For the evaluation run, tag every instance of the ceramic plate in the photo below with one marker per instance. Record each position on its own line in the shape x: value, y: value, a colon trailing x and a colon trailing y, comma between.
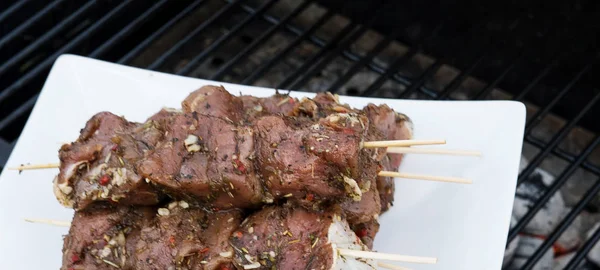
x: 464, y: 226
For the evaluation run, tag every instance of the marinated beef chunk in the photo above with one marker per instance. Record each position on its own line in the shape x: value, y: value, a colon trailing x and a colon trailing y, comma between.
x: 297, y: 156
x: 100, y: 165
x: 182, y: 237
x: 393, y: 125
x: 207, y: 159
x: 385, y: 186
x: 277, y: 104
x: 99, y: 237
x: 214, y: 101
x: 366, y: 231
x: 367, y: 209
x: 295, y: 238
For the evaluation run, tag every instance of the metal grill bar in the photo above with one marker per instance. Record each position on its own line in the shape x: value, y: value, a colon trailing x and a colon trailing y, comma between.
x: 537, y: 79
x: 266, y: 35
x: 564, y: 131
x: 199, y: 58
x: 19, y: 30
x: 24, y: 108
x: 360, y: 64
x: 10, y: 10
x: 564, y: 155
x: 46, y: 37
x: 488, y: 89
x: 325, y: 60
x: 148, y: 41
x: 558, y: 183
x: 263, y: 68
x: 346, y: 30
x: 420, y: 81
x: 46, y: 64
x: 398, y: 63
x: 395, y: 67
x: 462, y: 76
x: 538, y: 116
x: 127, y: 29
x: 5, y: 149
x: 589, y: 195
x: 163, y: 57
x: 322, y: 62
x: 347, y: 54
x: 583, y: 251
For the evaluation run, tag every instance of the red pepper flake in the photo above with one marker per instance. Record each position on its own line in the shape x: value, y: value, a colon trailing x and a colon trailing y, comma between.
x: 75, y: 258
x: 172, y: 240
x: 310, y: 197
x: 114, y: 148
x: 225, y: 267
x: 291, y: 100
x: 240, y: 165
x: 361, y: 232
x: 104, y: 180
x: 215, y: 209
x: 237, y: 234
x: 348, y: 131
x: 204, y: 250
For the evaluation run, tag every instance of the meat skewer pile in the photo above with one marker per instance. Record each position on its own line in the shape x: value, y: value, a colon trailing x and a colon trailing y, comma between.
x: 315, y: 166
x: 184, y: 237
x: 203, y: 155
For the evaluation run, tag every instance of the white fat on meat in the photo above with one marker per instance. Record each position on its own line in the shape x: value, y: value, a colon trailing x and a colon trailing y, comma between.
x: 63, y: 190
x: 340, y: 235
x: 352, y: 188
x: 407, y: 123
x: 336, y: 117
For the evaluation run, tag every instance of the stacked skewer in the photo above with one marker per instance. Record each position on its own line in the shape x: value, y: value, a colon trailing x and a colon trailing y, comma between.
x: 111, y: 173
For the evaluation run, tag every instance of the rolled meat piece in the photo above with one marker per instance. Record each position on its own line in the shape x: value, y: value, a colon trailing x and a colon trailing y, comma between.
x: 175, y: 237
x: 394, y: 126
x: 183, y: 237
x: 361, y: 215
x: 296, y: 238
x: 214, y: 101
x: 101, y: 164
x: 366, y: 231
x: 103, y: 237
x: 207, y: 159
x: 298, y: 156
x: 277, y: 104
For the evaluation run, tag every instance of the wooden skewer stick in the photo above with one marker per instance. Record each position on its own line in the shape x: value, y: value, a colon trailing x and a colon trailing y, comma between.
x: 378, y: 144
x: 373, y: 144
x: 49, y: 222
x: 391, y: 266
x: 413, y: 150
x: 426, y: 177
x: 386, y: 256
x: 36, y: 166
x: 346, y: 252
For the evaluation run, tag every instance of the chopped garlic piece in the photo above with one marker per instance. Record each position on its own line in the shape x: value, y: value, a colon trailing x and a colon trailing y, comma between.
x: 163, y: 211
x: 352, y: 188
x: 184, y: 204
x: 191, y: 143
x: 227, y: 254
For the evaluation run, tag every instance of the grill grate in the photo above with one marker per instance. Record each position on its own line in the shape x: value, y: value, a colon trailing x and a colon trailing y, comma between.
x: 309, y: 46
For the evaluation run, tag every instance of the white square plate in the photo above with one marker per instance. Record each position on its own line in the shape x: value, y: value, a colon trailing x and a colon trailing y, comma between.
x: 464, y: 226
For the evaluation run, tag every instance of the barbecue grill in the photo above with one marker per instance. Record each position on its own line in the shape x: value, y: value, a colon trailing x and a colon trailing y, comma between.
x: 367, y: 48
